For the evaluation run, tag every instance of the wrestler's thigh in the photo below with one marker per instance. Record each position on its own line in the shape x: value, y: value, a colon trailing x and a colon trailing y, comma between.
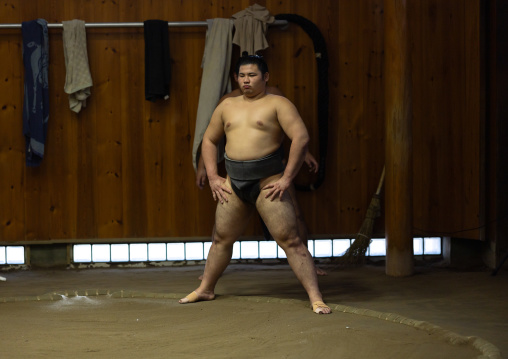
x: 278, y: 215
x: 232, y: 217
x: 292, y: 193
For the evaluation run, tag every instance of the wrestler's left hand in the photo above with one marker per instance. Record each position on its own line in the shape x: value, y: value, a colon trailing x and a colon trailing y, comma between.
x: 277, y: 188
x: 311, y: 162
x: 201, y: 178
x: 219, y: 188
x: 201, y: 174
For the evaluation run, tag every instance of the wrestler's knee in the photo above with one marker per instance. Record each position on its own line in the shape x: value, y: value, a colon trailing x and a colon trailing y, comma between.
x: 221, y: 239
x: 293, y: 242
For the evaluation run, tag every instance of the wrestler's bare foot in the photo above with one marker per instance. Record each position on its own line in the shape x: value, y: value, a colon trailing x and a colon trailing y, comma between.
x: 321, y: 308
x: 319, y: 271
x: 196, y: 297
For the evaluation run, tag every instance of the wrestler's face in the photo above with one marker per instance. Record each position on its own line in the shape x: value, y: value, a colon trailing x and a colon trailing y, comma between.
x: 251, y: 81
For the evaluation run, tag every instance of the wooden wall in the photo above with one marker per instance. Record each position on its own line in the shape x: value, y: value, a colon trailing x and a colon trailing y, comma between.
x: 449, y: 117
x: 122, y: 167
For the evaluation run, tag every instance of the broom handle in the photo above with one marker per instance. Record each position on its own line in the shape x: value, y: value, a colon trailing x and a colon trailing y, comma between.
x: 382, y: 179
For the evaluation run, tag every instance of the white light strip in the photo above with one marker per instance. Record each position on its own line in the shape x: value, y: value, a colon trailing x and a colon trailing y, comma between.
x: 138, y: 252
x: 15, y: 255
x: 120, y: 252
x: 198, y: 251
x: 3, y: 255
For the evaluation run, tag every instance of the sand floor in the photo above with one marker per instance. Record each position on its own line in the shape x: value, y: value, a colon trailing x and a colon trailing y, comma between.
x: 260, y: 311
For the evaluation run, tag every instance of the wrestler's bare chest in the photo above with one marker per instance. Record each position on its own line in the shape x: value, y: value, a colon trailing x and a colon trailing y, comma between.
x: 252, y: 130
x: 255, y: 116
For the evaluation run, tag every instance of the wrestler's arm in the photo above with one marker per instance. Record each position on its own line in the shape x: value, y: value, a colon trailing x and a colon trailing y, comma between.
x: 211, y: 138
x: 309, y: 160
x: 295, y: 129
x: 201, y: 171
x: 293, y: 126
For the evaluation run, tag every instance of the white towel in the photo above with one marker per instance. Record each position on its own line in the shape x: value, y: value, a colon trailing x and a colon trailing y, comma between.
x: 78, y: 79
x: 215, y: 80
x: 250, y: 28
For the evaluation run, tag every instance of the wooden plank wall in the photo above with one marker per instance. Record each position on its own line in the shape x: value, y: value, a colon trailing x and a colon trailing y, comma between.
x: 122, y: 167
x: 448, y: 123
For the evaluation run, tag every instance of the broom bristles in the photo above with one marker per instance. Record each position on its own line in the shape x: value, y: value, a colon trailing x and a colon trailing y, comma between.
x: 356, y: 252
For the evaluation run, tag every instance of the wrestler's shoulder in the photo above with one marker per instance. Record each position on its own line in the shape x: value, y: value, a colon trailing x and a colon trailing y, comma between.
x: 277, y: 99
x: 274, y: 91
x: 227, y: 101
x: 232, y: 94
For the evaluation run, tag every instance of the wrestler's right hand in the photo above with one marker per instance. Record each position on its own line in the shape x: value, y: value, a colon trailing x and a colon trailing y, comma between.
x: 219, y: 188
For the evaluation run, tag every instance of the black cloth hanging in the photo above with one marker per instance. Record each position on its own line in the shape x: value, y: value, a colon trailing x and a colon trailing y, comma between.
x: 157, y: 60
x: 36, y: 93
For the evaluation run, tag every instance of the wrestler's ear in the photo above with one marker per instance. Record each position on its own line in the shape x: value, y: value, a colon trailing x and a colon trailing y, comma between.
x: 235, y: 76
x: 267, y: 76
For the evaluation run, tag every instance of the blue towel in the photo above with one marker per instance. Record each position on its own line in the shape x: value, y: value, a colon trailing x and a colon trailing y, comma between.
x: 36, y: 101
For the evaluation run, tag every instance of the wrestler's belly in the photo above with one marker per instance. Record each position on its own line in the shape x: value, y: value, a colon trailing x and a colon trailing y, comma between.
x: 252, y: 152
x: 249, y: 145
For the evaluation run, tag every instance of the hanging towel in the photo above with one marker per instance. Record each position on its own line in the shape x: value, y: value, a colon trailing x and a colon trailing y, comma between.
x: 36, y: 92
x: 215, y: 79
x: 78, y: 79
x: 250, y: 28
x: 157, y: 60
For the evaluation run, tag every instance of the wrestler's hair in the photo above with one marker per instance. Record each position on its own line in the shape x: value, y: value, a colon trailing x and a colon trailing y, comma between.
x: 247, y: 59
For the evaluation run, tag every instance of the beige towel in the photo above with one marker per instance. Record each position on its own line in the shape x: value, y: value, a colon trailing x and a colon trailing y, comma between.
x: 78, y: 79
x: 250, y: 28
x: 215, y: 80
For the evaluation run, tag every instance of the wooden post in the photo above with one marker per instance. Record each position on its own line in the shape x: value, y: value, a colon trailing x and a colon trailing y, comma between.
x: 399, y: 143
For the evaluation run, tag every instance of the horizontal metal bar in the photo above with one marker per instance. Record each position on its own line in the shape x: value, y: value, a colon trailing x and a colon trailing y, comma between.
x: 136, y: 24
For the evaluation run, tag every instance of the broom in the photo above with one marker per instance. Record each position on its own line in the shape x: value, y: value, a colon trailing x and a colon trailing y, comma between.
x: 356, y: 252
